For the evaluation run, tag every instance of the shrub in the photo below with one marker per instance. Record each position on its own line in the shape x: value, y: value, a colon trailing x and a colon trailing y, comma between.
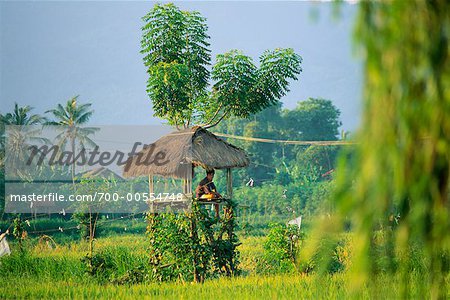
x: 193, y: 246
x: 116, y: 265
x: 280, y: 250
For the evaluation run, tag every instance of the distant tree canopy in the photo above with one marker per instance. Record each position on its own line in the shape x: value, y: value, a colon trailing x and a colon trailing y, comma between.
x: 177, y: 56
x: 312, y: 119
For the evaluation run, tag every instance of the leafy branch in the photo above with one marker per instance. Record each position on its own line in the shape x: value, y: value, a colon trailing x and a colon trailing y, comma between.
x: 177, y: 56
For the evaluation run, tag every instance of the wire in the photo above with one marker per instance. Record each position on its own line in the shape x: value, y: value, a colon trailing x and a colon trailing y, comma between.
x: 287, y: 142
x: 100, y: 223
x: 26, y: 219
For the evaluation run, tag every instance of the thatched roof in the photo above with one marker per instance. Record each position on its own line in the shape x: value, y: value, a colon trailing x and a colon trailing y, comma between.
x: 194, y: 146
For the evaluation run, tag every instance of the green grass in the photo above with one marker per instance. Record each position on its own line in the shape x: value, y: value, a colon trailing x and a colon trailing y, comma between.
x: 287, y: 287
x: 59, y: 273
x: 251, y: 287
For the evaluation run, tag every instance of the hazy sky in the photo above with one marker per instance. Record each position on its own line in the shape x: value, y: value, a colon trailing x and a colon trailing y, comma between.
x: 51, y: 51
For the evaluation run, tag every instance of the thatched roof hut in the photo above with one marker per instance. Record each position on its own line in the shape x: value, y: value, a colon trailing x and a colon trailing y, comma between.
x: 186, y: 149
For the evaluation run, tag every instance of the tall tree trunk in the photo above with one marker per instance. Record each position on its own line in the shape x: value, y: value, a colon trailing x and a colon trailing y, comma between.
x: 72, y: 141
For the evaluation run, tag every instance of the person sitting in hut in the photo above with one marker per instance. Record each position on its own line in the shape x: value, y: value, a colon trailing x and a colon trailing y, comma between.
x: 207, y: 187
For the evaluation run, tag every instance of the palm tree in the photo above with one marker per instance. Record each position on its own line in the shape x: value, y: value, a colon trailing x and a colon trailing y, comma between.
x: 72, y: 116
x: 21, y: 117
x: 23, y: 120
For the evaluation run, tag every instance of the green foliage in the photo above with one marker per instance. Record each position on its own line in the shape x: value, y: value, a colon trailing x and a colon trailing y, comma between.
x: 83, y: 221
x: 98, y: 265
x: 235, y: 76
x: 60, y: 273
x: 280, y: 249
x: 314, y: 163
x: 21, y: 115
x: 116, y: 265
x: 28, y: 265
x: 241, y: 89
x: 192, y: 246
x: 401, y: 164
x: 175, y: 48
x: 261, y: 205
x: 332, y: 255
x: 19, y: 232
x: 71, y: 114
x: 168, y: 81
x: 313, y: 119
x: 171, y: 247
x: 319, y: 202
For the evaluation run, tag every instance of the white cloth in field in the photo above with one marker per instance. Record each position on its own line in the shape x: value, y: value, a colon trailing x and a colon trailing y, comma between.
x: 296, y: 221
x: 4, y: 246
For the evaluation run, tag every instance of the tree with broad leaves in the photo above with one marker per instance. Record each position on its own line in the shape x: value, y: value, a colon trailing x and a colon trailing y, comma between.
x: 176, y: 55
x: 313, y: 120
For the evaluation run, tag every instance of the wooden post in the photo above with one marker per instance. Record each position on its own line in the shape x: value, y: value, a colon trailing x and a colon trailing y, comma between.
x: 187, y: 182
x: 151, y: 190
x: 229, y: 219
x: 191, y: 178
x: 229, y: 184
x: 150, y: 183
x: 189, y: 185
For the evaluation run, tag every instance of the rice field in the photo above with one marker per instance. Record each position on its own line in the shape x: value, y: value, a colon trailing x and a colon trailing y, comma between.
x: 59, y: 273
